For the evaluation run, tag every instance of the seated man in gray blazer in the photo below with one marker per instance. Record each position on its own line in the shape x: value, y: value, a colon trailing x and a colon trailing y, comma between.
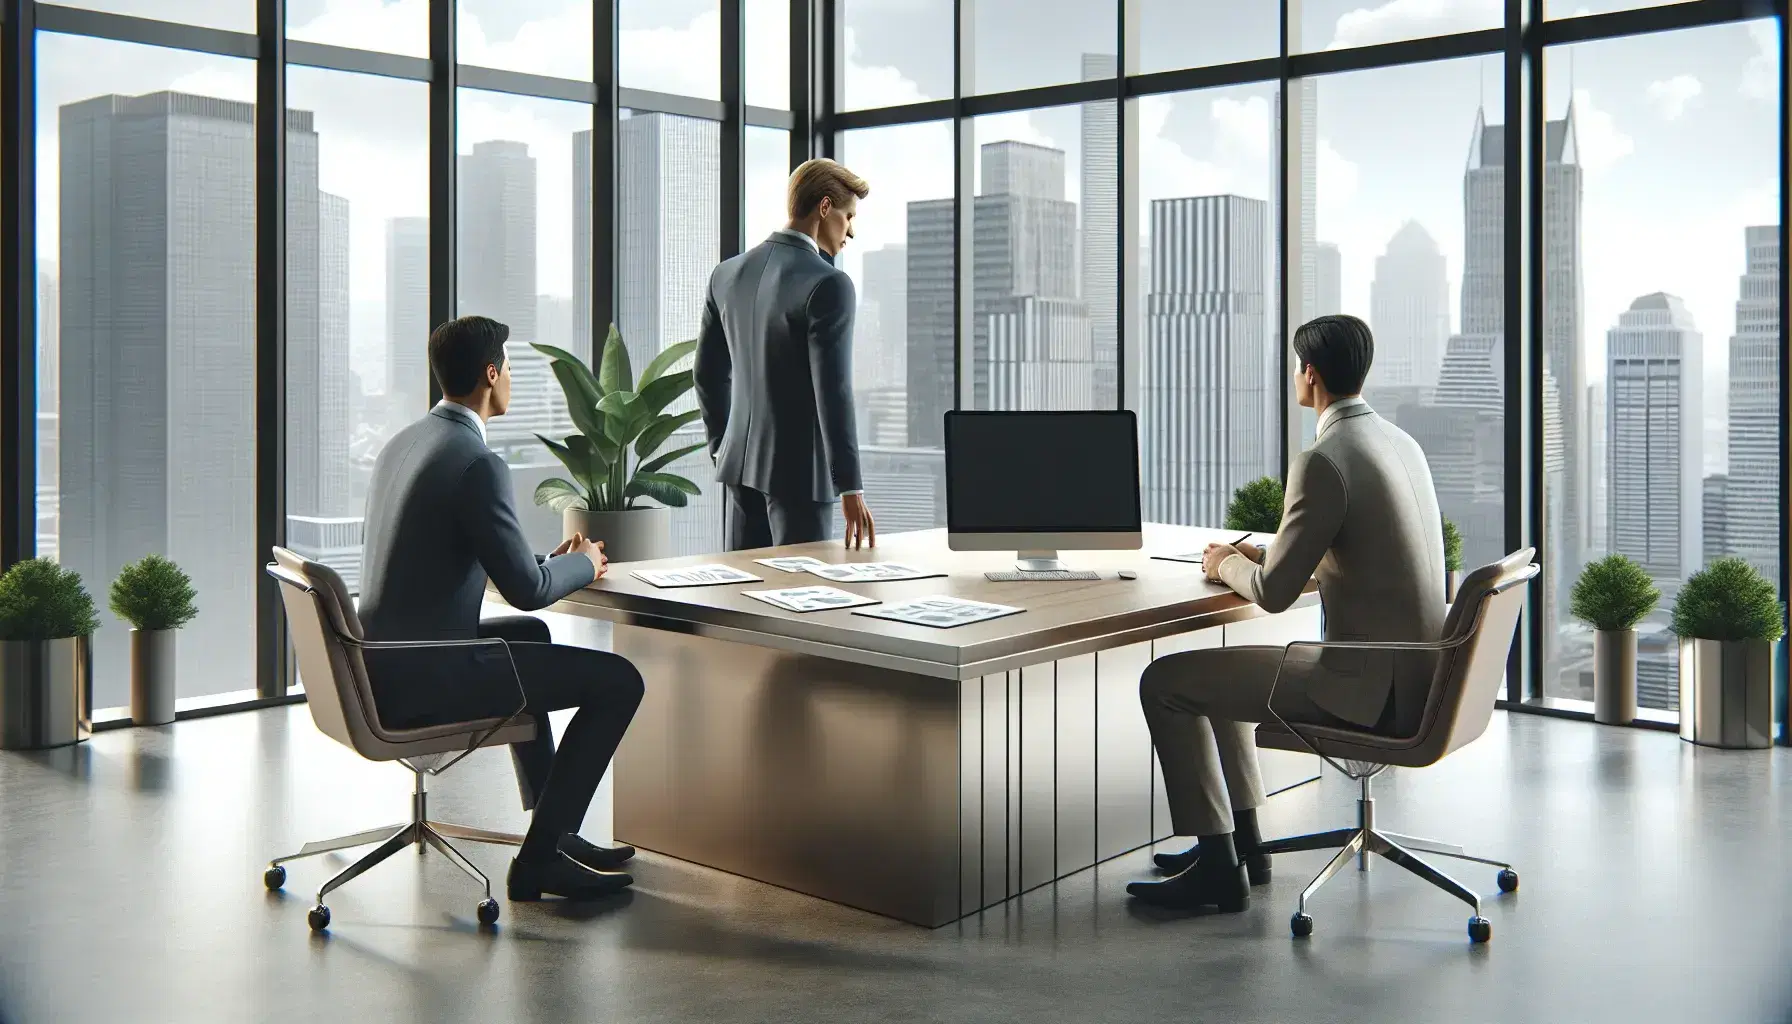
x: 440, y: 521
x: 774, y: 373
x: 1361, y: 514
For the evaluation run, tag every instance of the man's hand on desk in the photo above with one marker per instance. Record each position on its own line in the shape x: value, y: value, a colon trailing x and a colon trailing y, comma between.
x: 861, y: 530
x: 1213, y: 556
x: 1250, y: 551
x: 577, y: 544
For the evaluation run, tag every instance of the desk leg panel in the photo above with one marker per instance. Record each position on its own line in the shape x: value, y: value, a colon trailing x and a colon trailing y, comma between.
x: 833, y: 779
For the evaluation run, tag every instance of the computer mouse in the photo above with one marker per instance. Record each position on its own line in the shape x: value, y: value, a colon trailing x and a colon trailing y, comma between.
x: 1128, y: 574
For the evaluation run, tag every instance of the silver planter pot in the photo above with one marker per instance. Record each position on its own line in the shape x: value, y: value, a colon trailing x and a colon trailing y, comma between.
x: 1726, y: 693
x: 1452, y: 584
x: 46, y: 692
x: 1614, y: 676
x: 638, y: 535
x: 153, y: 681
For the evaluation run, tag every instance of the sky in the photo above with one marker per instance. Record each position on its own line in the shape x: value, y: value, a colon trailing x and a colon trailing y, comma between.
x: 1676, y: 132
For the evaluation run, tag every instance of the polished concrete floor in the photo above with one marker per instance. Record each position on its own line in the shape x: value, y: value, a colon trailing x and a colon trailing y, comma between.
x: 1655, y: 887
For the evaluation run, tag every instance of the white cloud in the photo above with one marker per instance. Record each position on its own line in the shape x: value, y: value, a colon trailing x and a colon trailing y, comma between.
x: 1671, y: 96
x: 872, y: 85
x: 1167, y: 171
x: 1338, y: 177
x: 400, y: 27
x: 1412, y: 19
x: 1760, y: 76
x: 1599, y: 142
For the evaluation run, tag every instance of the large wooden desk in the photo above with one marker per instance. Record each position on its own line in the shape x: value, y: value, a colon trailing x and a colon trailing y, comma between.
x: 915, y: 772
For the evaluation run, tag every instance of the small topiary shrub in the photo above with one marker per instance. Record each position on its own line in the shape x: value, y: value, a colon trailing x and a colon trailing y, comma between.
x: 40, y: 600
x: 1452, y: 547
x: 1729, y: 600
x: 1613, y: 593
x: 154, y: 594
x: 1256, y: 507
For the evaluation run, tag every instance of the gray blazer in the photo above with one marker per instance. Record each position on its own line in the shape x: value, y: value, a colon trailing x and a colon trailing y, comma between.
x: 440, y: 520
x: 774, y: 373
x: 1361, y: 515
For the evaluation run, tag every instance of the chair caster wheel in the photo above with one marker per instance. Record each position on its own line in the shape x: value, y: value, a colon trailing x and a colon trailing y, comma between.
x: 488, y: 911
x: 1479, y: 929
x: 1508, y: 880
x: 319, y: 917
x: 1301, y: 925
x: 274, y: 877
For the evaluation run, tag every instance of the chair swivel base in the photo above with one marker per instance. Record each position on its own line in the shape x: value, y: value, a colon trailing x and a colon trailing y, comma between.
x: 421, y: 833
x: 1366, y: 840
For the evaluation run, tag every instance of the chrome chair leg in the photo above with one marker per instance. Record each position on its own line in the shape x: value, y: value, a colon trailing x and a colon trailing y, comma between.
x: 399, y: 840
x: 435, y: 839
x: 1350, y: 849
x: 372, y: 835
x: 1316, y: 841
x: 1442, y: 849
x: 450, y: 830
x: 1381, y: 844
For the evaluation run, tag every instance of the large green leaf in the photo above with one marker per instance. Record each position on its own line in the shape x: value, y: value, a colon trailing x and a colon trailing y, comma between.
x: 662, y: 461
x: 587, y: 381
x: 613, y: 373
x: 575, y: 455
x: 663, y: 392
x: 670, y: 479
x: 661, y: 429
x: 669, y: 357
x: 580, y: 405
x: 558, y: 494
x: 655, y: 486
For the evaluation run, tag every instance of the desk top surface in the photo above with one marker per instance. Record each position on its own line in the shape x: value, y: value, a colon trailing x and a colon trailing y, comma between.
x: 1061, y: 619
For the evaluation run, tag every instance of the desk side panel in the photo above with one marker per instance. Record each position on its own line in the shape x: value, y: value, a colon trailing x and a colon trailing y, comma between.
x: 1123, y: 754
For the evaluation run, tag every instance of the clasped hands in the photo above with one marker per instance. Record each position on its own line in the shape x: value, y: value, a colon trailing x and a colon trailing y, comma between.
x: 577, y: 544
x: 1217, y: 553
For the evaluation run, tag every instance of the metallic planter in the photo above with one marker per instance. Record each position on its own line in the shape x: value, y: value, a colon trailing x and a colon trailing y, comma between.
x: 637, y: 535
x: 153, y: 682
x: 1726, y: 693
x: 46, y: 692
x: 1614, y: 676
x: 1452, y: 584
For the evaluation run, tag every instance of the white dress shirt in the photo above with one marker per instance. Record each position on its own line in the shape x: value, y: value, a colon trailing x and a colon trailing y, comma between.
x: 1336, y: 409
x: 458, y: 410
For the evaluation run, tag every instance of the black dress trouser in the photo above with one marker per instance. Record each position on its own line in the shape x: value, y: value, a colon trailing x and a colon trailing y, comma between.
x: 760, y: 520
x: 457, y: 686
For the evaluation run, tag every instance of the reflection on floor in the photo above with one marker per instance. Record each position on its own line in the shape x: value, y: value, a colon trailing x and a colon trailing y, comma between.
x: 1655, y: 888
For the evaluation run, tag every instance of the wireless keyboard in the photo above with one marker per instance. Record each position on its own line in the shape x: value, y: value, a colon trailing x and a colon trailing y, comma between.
x: 1048, y: 576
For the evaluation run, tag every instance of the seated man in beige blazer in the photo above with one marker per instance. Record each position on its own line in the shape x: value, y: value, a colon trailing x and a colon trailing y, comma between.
x: 1361, y: 515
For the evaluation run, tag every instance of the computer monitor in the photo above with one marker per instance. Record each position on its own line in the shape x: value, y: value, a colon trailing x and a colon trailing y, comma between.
x: 1038, y: 482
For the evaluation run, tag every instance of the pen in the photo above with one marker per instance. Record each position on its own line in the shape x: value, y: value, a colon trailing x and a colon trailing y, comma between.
x: 1241, y: 540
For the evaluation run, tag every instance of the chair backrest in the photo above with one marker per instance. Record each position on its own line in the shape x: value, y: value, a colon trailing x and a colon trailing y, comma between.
x: 1470, y: 677
x: 318, y: 614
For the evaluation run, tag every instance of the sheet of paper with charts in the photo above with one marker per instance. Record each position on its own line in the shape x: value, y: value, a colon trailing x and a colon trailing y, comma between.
x: 695, y: 576
x: 810, y: 599
x: 871, y: 572
x: 791, y: 563
x: 940, y: 612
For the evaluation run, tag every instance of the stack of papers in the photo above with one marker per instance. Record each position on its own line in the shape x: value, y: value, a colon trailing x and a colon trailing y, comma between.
x: 695, y: 576
x: 810, y: 599
x: 940, y: 612
x: 871, y: 572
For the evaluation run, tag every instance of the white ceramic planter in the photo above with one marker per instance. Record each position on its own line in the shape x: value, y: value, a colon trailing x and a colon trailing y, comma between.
x: 153, y: 682
x: 638, y: 535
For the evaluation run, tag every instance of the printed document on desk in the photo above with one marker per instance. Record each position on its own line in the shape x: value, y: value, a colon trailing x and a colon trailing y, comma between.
x: 791, y: 563
x: 695, y: 576
x: 871, y: 572
x: 810, y: 599
x: 940, y: 612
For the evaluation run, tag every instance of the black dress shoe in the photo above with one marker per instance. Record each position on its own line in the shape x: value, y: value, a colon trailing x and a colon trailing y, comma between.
x: 562, y: 876
x: 1256, y: 865
x: 597, y: 858
x: 1202, y: 885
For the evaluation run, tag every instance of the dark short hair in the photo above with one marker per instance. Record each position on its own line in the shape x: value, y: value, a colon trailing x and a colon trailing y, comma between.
x: 1340, y: 348
x: 460, y: 350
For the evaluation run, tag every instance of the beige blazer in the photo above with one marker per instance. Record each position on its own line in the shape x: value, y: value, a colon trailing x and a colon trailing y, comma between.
x: 1361, y: 515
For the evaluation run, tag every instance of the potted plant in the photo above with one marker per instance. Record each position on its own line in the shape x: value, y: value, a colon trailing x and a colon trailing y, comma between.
x: 1727, y: 618
x: 156, y: 598
x: 1256, y: 507
x: 46, y: 677
x: 1612, y: 595
x: 615, y: 459
x: 1452, y: 561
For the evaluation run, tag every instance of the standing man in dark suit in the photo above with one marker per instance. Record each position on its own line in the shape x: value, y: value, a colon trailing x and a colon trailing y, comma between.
x: 774, y: 373
x: 440, y: 521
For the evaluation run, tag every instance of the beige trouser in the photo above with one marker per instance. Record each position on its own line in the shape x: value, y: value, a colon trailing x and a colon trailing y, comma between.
x: 1203, y: 707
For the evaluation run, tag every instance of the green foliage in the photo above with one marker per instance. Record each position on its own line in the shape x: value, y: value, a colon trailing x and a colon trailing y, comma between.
x: 1256, y: 507
x: 1452, y: 547
x: 154, y: 594
x: 615, y: 413
x: 40, y: 600
x: 1729, y: 600
x: 1613, y: 593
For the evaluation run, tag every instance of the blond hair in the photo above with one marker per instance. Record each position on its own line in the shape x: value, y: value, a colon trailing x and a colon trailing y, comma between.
x: 822, y: 179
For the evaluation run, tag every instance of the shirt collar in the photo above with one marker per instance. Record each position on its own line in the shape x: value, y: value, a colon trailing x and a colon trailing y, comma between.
x: 460, y: 411
x: 1337, y: 409
x: 794, y: 235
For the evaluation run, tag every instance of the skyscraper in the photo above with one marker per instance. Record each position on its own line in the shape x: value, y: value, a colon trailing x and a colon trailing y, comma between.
x: 1655, y: 438
x: 1101, y: 230
x: 931, y: 365
x: 407, y: 320
x: 318, y: 424
x: 1303, y: 161
x: 581, y: 342
x: 157, y: 396
x: 1040, y: 356
x: 1752, y: 493
x: 495, y: 275
x: 1209, y: 373
x: 879, y: 360
x: 1328, y: 289
x: 669, y: 180
x: 1409, y: 310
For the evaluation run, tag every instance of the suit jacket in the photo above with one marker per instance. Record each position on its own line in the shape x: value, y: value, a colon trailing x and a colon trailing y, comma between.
x: 774, y: 373
x: 440, y: 520
x: 1361, y: 515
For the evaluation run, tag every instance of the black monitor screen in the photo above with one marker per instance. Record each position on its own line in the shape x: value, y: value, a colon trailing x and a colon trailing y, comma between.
x: 1042, y: 472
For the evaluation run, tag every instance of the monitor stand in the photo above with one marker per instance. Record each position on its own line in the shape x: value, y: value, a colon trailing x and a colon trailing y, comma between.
x: 1039, y: 561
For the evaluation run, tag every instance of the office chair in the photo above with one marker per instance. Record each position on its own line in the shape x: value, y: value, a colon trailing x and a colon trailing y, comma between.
x: 328, y: 640
x: 1471, y: 670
